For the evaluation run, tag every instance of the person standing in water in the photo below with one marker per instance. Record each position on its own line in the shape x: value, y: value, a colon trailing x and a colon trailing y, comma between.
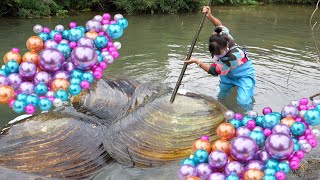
x: 231, y: 63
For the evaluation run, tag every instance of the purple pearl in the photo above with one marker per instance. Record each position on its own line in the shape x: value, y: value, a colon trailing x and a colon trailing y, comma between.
x: 266, y: 110
x: 238, y: 116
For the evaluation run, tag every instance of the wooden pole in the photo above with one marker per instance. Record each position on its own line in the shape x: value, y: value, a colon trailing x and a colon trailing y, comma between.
x: 194, y: 41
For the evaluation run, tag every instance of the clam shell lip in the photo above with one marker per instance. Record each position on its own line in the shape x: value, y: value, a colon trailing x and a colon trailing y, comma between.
x: 54, y: 145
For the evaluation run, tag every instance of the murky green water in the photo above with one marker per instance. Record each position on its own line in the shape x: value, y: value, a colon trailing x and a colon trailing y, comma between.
x: 277, y: 38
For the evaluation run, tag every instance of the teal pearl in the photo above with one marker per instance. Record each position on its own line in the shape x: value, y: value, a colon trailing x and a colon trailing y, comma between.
x: 271, y: 164
x: 282, y: 166
x: 88, y: 77
x: 269, y: 178
x: 318, y: 107
x: 18, y: 106
x: 259, y: 137
x: 98, y: 52
x: 52, y: 33
x: 123, y: 22
x: 64, y: 49
x: 245, y: 119
x: 296, y: 146
x: 3, y: 72
x: 189, y: 161
x: 294, y: 140
x: 235, y: 123
x: 270, y: 120
x: 232, y: 177
x: 269, y: 172
x: 76, y: 73
x: 114, y: 31
x: 22, y: 97
x: 75, y: 81
x: 83, y: 30
x: 100, y: 42
x: 41, y: 89
x: 45, y: 104
x: 277, y: 114
x: 44, y: 36
x: 65, y: 34
x: 312, y: 117
x: 100, y: 59
x: 258, y: 120
x: 297, y: 129
x: 74, y: 89
x: 75, y: 34
x: 61, y: 94
x: 31, y: 99
x: 12, y: 67
x: 200, y: 156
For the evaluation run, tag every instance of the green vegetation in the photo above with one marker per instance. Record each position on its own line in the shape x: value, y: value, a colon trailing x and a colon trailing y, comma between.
x: 46, y: 8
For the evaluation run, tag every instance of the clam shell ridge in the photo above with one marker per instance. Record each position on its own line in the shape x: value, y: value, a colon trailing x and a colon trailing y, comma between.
x: 55, y: 145
x: 156, y: 131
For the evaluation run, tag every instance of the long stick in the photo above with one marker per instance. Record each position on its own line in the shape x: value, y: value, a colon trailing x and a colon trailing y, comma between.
x: 189, y: 56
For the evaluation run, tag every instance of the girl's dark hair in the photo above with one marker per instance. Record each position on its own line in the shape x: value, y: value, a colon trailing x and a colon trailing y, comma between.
x: 218, y: 42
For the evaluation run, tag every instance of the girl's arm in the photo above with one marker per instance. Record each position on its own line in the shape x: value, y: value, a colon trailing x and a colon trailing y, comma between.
x: 203, y: 66
x: 207, y: 11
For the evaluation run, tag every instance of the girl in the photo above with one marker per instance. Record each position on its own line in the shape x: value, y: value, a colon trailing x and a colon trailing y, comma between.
x: 230, y: 63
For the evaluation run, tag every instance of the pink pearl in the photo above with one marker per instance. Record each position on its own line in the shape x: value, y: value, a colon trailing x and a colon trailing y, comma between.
x: 72, y: 25
x: 299, y: 154
x: 302, y: 107
x: 251, y: 124
x: 298, y: 119
x: 104, y: 50
x: 10, y: 103
x: 97, y: 68
x: 294, y: 158
x: 313, y: 142
x: 15, y: 93
x: 113, y: 22
x: 301, y: 137
x: 51, y: 98
x: 73, y: 45
x: 310, y: 136
x: 280, y: 175
x: 101, y: 33
x: 84, y: 84
x: 29, y: 109
x: 97, y: 74
x: 106, y: 16
x: 104, y: 22
x: 42, y: 97
x: 15, y: 50
x: 57, y: 38
x: 294, y: 165
x: 111, y: 48
x: 204, y: 137
x: 238, y: 116
x: 103, y: 65
x: 46, y: 30
x: 303, y: 101
x: 110, y: 44
x: 266, y: 110
x: 114, y: 54
x: 307, y: 132
x: 267, y: 132
x: 311, y: 107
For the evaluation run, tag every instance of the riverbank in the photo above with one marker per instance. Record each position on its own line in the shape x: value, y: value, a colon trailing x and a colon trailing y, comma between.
x: 49, y: 8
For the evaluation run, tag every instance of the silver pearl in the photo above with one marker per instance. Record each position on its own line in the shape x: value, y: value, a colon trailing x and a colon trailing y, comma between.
x: 117, y: 45
x: 316, y: 102
x: 105, y: 27
x: 258, y: 128
x: 118, y: 16
x: 104, y: 54
x: 306, y: 148
x: 252, y: 114
x: 109, y: 59
x: 64, y: 41
x: 57, y: 102
x: 50, y: 93
x: 302, y: 141
x: 316, y: 132
x: 295, y: 103
x: 191, y: 156
x: 37, y: 29
x: 59, y: 28
x: 98, y: 18
x: 228, y: 115
x: 301, y: 113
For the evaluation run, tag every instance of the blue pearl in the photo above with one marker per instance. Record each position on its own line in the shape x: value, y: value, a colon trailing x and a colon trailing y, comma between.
x: 296, y: 146
x: 88, y: 77
x: 43, y: 36
x: 232, y: 177
x: 277, y: 114
x: 3, y: 72
x: 269, y: 178
x: 52, y: 33
x: 271, y: 164
x: 269, y: 172
x: 258, y: 120
x: 98, y: 52
x: 22, y: 97
x: 235, y: 123
x: 65, y: 34
x: 270, y: 120
x: 189, y: 161
x: 100, y: 42
x: 83, y: 30
x: 61, y: 94
x: 18, y: 106
x: 75, y: 34
x: 201, y: 156
x: 12, y: 67
x: 297, y: 129
x: 45, y: 104
x: 318, y: 107
x: 282, y: 166
x: 259, y: 137
x: 76, y: 73
x: 74, y: 89
x: 312, y: 117
x: 114, y: 31
x: 41, y: 89
x: 123, y: 23
x: 245, y: 119
x: 31, y: 99
x: 99, y: 59
x: 65, y: 50
x: 75, y: 81
x: 294, y: 140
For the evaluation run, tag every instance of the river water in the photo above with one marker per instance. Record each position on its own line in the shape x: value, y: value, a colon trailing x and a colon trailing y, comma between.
x: 277, y: 38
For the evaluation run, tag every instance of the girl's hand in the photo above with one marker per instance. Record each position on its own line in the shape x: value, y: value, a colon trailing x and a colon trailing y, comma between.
x: 206, y: 10
x: 192, y: 60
